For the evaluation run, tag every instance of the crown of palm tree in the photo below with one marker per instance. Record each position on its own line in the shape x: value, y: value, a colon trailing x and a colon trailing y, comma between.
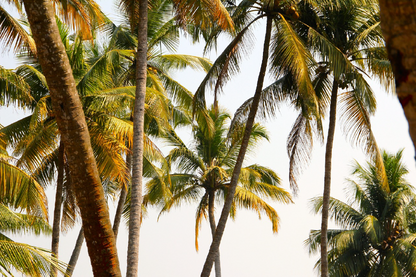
x: 377, y: 235
x: 202, y: 172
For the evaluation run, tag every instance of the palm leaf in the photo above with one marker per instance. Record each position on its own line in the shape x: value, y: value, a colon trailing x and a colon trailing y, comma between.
x: 29, y: 260
x: 13, y: 88
x: 19, y: 190
x: 12, y: 34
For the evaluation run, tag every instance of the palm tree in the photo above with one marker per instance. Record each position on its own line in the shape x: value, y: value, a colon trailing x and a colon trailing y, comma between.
x: 378, y: 235
x: 138, y: 16
x: 204, y: 172
x: 348, y: 39
x: 288, y: 55
x: 35, y: 139
x: 74, y: 133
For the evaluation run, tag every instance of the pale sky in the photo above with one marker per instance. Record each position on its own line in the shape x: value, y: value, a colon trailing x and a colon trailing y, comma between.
x: 248, y: 247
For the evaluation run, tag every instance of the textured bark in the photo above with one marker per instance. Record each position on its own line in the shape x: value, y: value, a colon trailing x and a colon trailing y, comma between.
x: 75, y: 253
x: 214, y: 248
x: 72, y: 126
x: 211, y: 216
x: 56, y: 227
x: 398, y: 22
x: 138, y: 134
x: 327, y: 179
x: 121, y: 200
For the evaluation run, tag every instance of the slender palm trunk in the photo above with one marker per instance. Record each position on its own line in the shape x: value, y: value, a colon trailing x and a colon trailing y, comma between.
x: 211, y: 216
x: 397, y: 22
x: 56, y: 227
x: 119, y: 211
x: 327, y: 180
x: 75, y: 253
x: 121, y: 200
x: 138, y: 134
x: 234, y: 179
x: 75, y: 136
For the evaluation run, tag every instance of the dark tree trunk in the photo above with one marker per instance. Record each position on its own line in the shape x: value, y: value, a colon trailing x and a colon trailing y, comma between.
x: 75, y: 253
x: 121, y: 200
x: 56, y: 227
x: 138, y: 134
x: 398, y: 22
x: 234, y: 179
x: 327, y: 179
x: 72, y: 126
x: 212, y: 224
x: 119, y: 211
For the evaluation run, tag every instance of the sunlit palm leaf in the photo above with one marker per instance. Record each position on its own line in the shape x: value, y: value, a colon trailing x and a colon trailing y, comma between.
x: 12, y: 34
x: 81, y: 15
x: 14, y: 89
x: 16, y: 223
x: 19, y: 190
x: 27, y: 259
x: 203, y: 13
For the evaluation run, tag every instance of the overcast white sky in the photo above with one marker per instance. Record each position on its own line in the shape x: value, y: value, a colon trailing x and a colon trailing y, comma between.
x: 248, y: 247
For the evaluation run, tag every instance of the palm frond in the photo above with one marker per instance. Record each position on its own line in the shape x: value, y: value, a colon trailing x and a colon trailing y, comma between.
x: 29, y: 260
x: 19, y: 190
x: 224, y: 67
x: 13, y: 35
x: 246, y: 199
x: 203, y: 13
x: 289, y: 53
x: 14, y: 89
x: 299, y: 148
x: 81, y: 15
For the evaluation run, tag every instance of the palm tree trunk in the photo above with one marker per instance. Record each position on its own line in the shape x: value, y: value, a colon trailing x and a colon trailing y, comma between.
x: 121, y: 200
x: 75, y: 253
x: 327, y: 179
x: 72, y: 126
x: 397, y: 22
x: 211, y: 216
x: 119, y: 211
x: 56, y: 227
x: 138, y: 134
x: 234, y: 179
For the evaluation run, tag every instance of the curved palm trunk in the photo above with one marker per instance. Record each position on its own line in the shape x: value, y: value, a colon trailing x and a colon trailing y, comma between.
x: 56, y: 227
x: 397, y: 22
x: 74, y: 135
x: 138, y: 134
x: 75, y: 253
x: 121, y: 200
x: 234, y: 179
x: 119, y: 211
x: 327, y: 180
x: 211, y: 216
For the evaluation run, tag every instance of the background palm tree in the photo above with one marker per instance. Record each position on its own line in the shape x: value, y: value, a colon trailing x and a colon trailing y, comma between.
x: 348, y: 39
x: 378, y: 226
x: 204, y: 171
x: 291, y: 55
x: 138, y: 16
